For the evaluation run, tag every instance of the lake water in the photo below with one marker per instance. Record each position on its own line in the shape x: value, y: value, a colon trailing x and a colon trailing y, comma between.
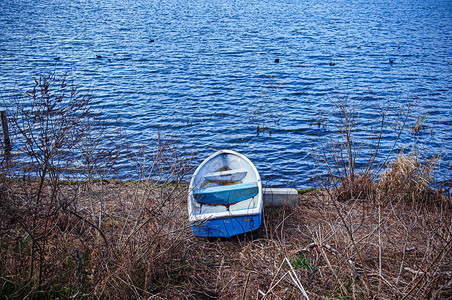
x: 206, y: 69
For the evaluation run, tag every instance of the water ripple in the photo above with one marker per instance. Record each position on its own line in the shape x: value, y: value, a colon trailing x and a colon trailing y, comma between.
x: 213, y: 71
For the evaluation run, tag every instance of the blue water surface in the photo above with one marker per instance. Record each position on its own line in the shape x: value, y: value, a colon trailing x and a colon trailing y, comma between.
x: 207, y: 70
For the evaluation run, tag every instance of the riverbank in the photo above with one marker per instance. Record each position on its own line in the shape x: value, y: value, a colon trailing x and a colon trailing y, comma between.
x: 117, y: 239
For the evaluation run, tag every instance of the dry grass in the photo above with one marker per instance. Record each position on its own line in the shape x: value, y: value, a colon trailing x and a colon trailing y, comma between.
x: 405, y: 249
x: 362, y: 187
x: 410, y: 178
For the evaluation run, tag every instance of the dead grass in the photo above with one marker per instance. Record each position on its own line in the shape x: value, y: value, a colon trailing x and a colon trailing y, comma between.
x: 405, y: 249
x: 410, y: 177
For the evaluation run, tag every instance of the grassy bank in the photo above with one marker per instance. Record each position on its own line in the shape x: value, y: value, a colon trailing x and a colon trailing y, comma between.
x: 145, y: 248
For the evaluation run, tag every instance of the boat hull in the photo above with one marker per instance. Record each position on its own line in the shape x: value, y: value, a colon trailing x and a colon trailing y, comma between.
x: 227, y: 227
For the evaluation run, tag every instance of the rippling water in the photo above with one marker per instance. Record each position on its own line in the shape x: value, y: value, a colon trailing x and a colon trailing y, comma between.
x: 208, y: 69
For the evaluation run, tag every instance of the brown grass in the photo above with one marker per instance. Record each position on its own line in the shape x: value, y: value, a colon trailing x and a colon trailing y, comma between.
x: 405, y: 248
x: 410, y: 177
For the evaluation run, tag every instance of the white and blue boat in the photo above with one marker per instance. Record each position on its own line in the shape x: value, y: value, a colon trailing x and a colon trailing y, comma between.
x: 225, y: 196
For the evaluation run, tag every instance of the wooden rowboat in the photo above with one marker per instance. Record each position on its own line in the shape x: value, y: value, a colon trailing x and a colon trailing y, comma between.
x: 225, y: 196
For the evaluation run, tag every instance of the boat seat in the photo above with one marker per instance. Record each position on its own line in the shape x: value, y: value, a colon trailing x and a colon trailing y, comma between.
x: 226, y: 194
x: 226, y: 176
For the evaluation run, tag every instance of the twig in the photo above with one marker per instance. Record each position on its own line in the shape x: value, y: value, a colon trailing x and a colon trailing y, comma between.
x: 445, y: 273
x: 427, y: 272
x: 246, y: 285
x: 312, y: 245
x: 350, y: 233
x: 219, y: 272
x: 292, y: 274
x: 92, y: 224
x: 330, y: 266
x: 379, y: 248
x: 274, y: 277
x: 294, y: 277
x: 273, y: 286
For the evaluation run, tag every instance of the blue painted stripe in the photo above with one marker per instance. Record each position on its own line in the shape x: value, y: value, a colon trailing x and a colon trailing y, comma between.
x: 227, y: 194
x: 227, y: 227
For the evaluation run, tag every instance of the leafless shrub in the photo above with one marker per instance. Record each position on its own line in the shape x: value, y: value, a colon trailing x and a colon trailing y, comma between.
x: 349, y: 145
x: 70, y: 230
x: 46, y: 128
x: 362, y: 187
x: 150, y: 227
x: 376, y: 204
x: 359, y: 167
